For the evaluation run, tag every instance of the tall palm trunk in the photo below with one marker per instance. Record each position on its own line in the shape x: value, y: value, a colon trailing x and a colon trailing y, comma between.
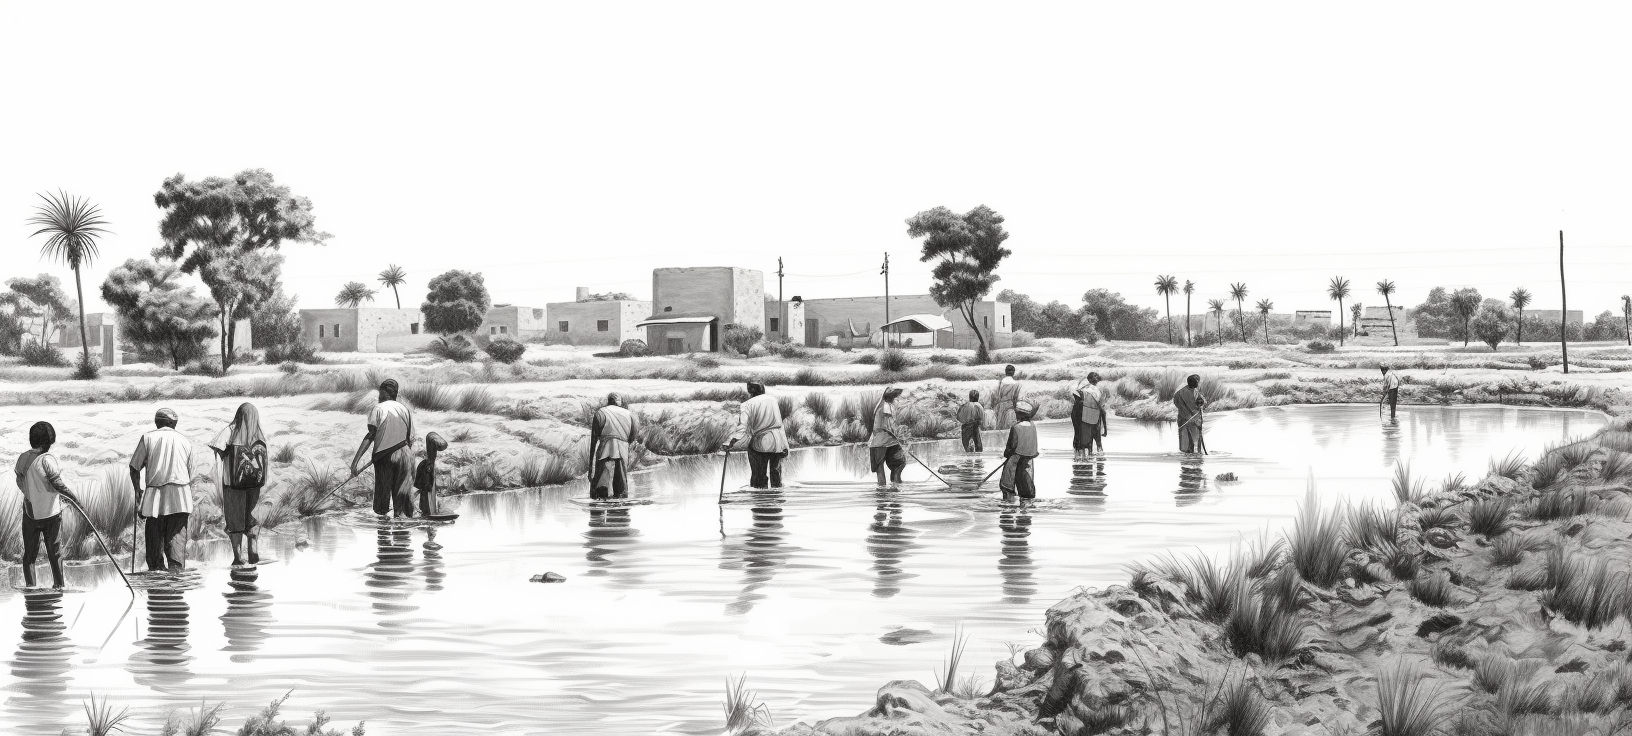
x: 1189, y: 343
x: 1390, y: 307
x: 398, y: 296
x: 1241, y: 314
x: 1520, y: 339
x: 1340, y: 331
x: 84, y: 342
x: 1169, y: 300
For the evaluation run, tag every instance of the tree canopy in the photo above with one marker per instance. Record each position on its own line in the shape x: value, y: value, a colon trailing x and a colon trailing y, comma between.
x: 969, y: 248
x: 41, y: 303
x: 1116, y: 319
x: 1053, y: 319
x: 456, y: 301
x: 157, y: 315
x: 353, y: 294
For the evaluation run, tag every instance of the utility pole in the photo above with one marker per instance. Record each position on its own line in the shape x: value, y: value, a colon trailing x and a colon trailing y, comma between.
x: 779, y: 278
x: 886, y: 273
x: 1564, y: 313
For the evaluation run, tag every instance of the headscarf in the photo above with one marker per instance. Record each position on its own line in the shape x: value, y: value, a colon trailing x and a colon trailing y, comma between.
x: 435, y: 443
x: 244, y: 430
x: 389, y: 386
x: 169, y: 414
x: 891, y: 392
x: 1193, y: 380
x: 755, y: 388
x: 613, y: 399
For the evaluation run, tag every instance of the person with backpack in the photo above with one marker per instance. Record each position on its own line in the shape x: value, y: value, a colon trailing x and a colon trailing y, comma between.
x: 39, y: 477
x: 240, y: 473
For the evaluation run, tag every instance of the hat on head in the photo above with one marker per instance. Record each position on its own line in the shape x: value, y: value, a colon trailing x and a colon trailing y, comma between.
x: 169, y: 414
x: 1024, y: 407
x: 614, y: 399
x: 435, y: 442
x: 389, y: 384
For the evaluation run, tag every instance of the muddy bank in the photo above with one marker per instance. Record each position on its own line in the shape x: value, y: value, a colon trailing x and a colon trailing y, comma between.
x: 1501, y: 608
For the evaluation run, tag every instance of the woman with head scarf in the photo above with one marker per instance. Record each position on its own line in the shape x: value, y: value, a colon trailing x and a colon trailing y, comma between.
x: 240, y: 473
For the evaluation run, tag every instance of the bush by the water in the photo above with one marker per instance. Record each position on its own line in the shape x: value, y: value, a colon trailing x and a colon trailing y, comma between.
x: 456, y: 348
x: 505, y: 350
x: 894, y: 360
x: 37, y: 354
x: 633, y: 349
x: 1321, y: 346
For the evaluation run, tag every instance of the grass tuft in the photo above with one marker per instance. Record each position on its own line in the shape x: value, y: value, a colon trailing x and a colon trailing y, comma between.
x: 1316, y: 542
x: 1509, y: 467
x: 947, y: 677
x: 742, y: 714
x: 101, y: 719
x: 1489, y: 516
x: 1406, y: 489
x: 1407, y: 708
x: 1434, y: 589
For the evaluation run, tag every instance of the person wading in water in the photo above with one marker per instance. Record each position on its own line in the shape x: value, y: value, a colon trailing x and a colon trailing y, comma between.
x: 1189, y: 402
x: 1018, y: 453
x: 1088, y: 416
x: 1391, y: 391
x: 883, y: 448
x: 1006, y: 397
x: 425, y: 476
x: 767, y: 442
x: 972, y: 416
x: 39, y: 477
x: 240, y: 473
x: 391, y: 434
x: 611, y: 432
x: 166, y: 499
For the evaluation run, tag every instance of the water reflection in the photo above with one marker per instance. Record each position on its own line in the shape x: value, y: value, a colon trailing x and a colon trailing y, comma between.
x: 1088, y: 479
x: 41, y: 666
x: 248, y: 613
x: 1192, y: 482
x: 1015, y: 564
x: 389, y: 579
x: 607, y: 540
x: 1391, y: 442
x: 760, y: 553
x: 433, y: 565
x: 162, y: 657
x: 888, y: 541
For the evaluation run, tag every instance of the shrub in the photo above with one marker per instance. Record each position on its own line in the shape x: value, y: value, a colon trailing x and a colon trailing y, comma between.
x: 1023, y: 339
x: 1017, y: 358
x: 36, y: 354
x: 1317, y: 544
x: 1320, y: 346
x: 297, y: 351
x: 289, y: 367
x: 1406, y: 707
x: 456, y: 348
x: 1433, y: 590
x: 945, y: 359
x: 1488, y: 516
x: 633, y: 349
x: 85, y: 370
x: 739, y: 339
x: 505, y: 350
x: 894, y: 360
x: 705, y: 361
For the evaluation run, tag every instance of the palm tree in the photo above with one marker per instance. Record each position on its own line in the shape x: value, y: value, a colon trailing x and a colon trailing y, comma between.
x: 1238, y: 292
x: 1264, y: 305
x: 353, y: 294
x: 1339, y: 290
x: 1189, y: 288
x: 74, y: 224
x: 1217, y: 308
x: 1521, y: 299
x: 1165, y: 286
x: 394, y: 277
x: 1626, y: 316
x: 1355, y: 309
x: 1386, y: 288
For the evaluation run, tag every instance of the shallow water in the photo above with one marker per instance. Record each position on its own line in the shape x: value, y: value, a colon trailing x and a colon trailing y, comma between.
x: 819, y: 593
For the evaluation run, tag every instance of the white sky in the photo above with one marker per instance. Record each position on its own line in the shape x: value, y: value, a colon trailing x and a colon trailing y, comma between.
x: 556, y: 145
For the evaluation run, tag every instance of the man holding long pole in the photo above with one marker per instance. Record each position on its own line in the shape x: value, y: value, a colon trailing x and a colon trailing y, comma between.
x: 1391, y: 391
x: 40, y: 479
x: 1189, y: 401
x: 391, y: 435
x: 761, y: 426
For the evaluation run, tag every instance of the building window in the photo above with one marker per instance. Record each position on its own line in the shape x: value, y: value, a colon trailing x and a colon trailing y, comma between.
x: 1005, y: 320
x: 320, y: 331
x: 776, y: 324
x: 413, y: 329
x: 337, y: 330
x: 504, y: 329
x: 602, y: 325
x: 562, y: 325
x: 985, y: 321
x: 492, y: 330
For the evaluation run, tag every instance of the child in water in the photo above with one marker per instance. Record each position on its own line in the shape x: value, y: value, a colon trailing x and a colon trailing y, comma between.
x: 425, y: 475
x: 971, y: 416
x: 1018, y: 453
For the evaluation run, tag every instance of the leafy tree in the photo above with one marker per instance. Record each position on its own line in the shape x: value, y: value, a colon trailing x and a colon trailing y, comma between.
x: 1355, y: 310
x: 505, y: 350
x: 969, y: 248
x: 740, y: 338
x: 276, y: 327
x: 73, y: 225
x: 1492, y: 323
x: 1386, y: 289
x: 1238, y: 292
x: 1338, y: 290
x: 1023, y: 310
x: 1606, y: 326
x: 1466, y: 303
x: 41, y: 300
x: 1189, y: 288
x: 455, y: 302
x: 1216, y: 306
x: 1117, y: 319
x: 1264, y: 307
x: 1053, y: 319
x: 1165, y: 286
x: 157, y: 315
x: 230, y: 224
x: 13, y: 308
x: 1521, y: 299
x: 392, y: 277
x: 354, y: 293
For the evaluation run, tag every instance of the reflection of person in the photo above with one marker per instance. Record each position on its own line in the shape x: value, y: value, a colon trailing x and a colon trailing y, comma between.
x: 1088, y: 416
x: 888, y: 541
x: 1192, y: 483
x: 248, y: 613
x: 391, y: 434
x: 883, y: 447
x: 43, y: 655
x: 611, y: 432
x: 1189, y: 402
x: 971, y: 416
x: 1016, y: 565
x: 240, y: 473
x: 167, y: 500
x: 1018, y: 453
x: 761, y: 426
x: 760, y: 554
x: 425, y: 475
x: 1003, y: 401
x: 1391, y: 391
x: 39, y: 477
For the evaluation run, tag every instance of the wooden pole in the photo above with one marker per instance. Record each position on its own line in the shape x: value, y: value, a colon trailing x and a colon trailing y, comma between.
x: 885, y: 333
x: 1564, y: 313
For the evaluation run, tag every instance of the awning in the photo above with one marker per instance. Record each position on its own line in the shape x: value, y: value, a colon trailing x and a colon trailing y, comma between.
x: 676, y: 321
x: 917, y: 323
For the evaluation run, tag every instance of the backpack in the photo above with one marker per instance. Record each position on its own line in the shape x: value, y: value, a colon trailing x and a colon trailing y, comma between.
x: 246, y: 466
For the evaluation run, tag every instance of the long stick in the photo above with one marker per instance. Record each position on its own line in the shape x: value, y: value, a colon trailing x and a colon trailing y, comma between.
x: 133, y: 519
x: 994, y: 472
x: 99, y: 540
x: 724, y: 464
x: 915, y: 457
x: 343, y: 483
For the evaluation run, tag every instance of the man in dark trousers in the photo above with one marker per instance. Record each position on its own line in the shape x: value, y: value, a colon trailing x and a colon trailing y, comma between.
x: 971, y: 416
x: 1188, y: 401
x: 391, y: 434
x: 1391, y: 390
x: 39, y: 477
x: 611, y: 436
x: 1018, y: 453
x: 165, y: 499
x: 761, y: 426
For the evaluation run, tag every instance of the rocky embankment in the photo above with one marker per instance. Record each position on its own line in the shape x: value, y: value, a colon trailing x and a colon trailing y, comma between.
x: 1497, y: 609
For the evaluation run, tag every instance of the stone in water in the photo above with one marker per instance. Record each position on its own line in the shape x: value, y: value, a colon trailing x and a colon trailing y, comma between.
x: 549, y: 577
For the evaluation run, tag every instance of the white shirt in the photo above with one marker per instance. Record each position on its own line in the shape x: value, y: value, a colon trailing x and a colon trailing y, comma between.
x: 39, y: 481
x: 167, y: 456
x: 1391, y: 380
x: 392, y: 424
